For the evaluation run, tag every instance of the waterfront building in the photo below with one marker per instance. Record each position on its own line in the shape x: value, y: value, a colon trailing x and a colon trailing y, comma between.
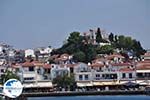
x: 143, y: 72
x: 35, y: 75
x: 103, y: 73
x: 59, y: 70
x: 83, y: 75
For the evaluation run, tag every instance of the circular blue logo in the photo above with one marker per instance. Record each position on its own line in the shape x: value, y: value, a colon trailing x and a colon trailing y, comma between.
x: 12, y: 88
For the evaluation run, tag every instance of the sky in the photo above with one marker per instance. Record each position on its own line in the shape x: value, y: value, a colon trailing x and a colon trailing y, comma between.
x: 37, y: 23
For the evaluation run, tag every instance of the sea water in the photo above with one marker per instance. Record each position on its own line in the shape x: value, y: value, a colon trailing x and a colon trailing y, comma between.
x: 119, y: 97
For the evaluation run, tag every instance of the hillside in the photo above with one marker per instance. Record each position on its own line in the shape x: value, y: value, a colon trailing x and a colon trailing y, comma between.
x: 86, y: 47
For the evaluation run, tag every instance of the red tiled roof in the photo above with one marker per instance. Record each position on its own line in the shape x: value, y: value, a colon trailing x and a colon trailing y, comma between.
x: 115, y: 55
x: 126, y: 70
x: 63, y: 57
x: 144, y: 62
x: 16, y: 66
x: 121, y: 64
x: 27, y: 64
x: 71, y: 65
x: 99, y: 60
x: 47, y: 66
x: 37, y: 63
x: 143, y: 67
x: 97, y: 65
x: 65, y: 54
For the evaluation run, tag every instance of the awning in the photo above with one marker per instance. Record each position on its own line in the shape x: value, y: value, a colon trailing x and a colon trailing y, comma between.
x: 131, y: 84
x: 104, y: 83
x: 38, y: 84
x: 84, y: 84
x: 143, y: 82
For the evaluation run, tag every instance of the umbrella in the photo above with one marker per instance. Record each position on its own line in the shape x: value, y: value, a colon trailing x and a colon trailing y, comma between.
x: 131, y: 84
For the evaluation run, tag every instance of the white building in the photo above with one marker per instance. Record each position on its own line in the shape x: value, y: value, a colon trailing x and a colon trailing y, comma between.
x: 29, y: 52
x: 59, y: 70
x: 143, y: 72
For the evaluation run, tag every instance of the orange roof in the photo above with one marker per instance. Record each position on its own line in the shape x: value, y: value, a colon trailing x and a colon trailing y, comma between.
x: 27, y: 64
x: 97, y: 65
x: 71, y: 65
x: 126, y: 70
x: 47, y: 66
x: 144, y: 62
x: 37, y: 63
x: 65, y: 54
x: 64, y: 57
x: 121, y: 64
x: 143, y: 67
x: 114, y: 55
x: 99, y: 60
x: 16, y: 66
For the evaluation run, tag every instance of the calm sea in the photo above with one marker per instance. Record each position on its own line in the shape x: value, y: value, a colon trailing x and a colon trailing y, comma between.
x: 139, y: 97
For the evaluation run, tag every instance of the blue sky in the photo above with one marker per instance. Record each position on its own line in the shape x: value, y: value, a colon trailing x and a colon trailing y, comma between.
x: 36, y: 23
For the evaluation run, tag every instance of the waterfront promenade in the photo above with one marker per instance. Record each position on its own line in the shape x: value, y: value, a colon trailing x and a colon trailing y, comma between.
x: 110, y: 92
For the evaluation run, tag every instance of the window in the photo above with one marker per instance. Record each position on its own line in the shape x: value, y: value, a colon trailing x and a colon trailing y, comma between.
x: 140, y: 75
x: 31, y: 69
x: 71, y: 70
x: 113, y: 76
x: 123, y: 75
x: 103, y: 75
x: 86, y: 77
x: 29, y: 78
x: 130, y: 75
x: 147, y: 75
x: 97, y: 75
x: 2, y: 70
x: 80, y: 77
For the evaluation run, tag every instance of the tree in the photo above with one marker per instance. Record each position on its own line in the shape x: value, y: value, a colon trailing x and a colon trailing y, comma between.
x: 121, y: 42
x: 128, y: 43
x: 90, y: 52
x: 73, y: 43
x: 8, y: 75
x: 116, y: 38
x: 107, y: 49
x: 64, y: 81
x: 137, y: 48
x: 111, y: 37
x: 79, y: 56
x: 74, y: 37
x: 98, y: 36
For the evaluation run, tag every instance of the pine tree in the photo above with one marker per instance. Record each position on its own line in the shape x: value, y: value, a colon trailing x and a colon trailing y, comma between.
x: 111, y: 37
x: 98, y: 36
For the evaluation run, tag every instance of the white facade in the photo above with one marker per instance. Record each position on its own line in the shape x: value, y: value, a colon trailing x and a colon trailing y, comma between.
x: 58, y: 70
x: 29, y: 52
x: 46, y: 50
